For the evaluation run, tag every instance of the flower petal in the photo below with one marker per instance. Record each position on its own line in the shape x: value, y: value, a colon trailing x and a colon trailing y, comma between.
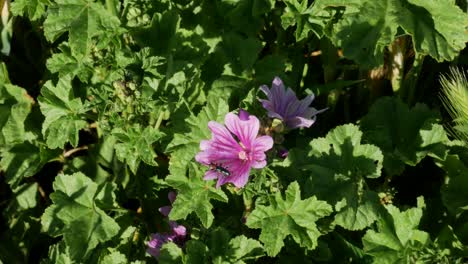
x: 245, y: 130
x: 259, y: 164
x: 178, y: 230
x: 205, y: 144
x: 203, y: 157
x: 241, y: 177
x: 298, y: 121
x: 221, y: 136
x: 262, y: 144
x: 210, y: 175
x: 171, y: 196
x: 165, y: 210
x: 243, y: 115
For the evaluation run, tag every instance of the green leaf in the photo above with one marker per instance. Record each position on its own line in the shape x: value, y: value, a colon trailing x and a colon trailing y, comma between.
x: 65, y: 63
x: 171, y: 254
x: 161, y: 34
x: 245, y: 15
x: 194, y: 195
x: 242, y: 248
x: 241, y: 52
x: 135, y: 145
x: 405, y: 136
x: 64, y: 114
x: 289, y: 216
x: 187, y: 136
x: 397, y: 236
x: 15, y: 106
x: 298, y: 13
x: 262, y: 6
x: 197, y: 252
x: 224, y: 250
x: 82, y: 19
x: 454, y: 189
x: 437, y: 28
x: 75, y: 215
x: 23, y: 160
x: 26, y: 195
x: 58, y: 254
x: 114, y: 258
x: 339, y: 162
x: 33, y: 9
x: 269, y: 67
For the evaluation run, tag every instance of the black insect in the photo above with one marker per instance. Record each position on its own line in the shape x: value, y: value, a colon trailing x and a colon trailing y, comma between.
x: 220, y: 169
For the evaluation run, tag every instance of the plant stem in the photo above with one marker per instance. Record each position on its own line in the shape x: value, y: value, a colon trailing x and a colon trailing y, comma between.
x: 409, y: 84
x: 111, y: 7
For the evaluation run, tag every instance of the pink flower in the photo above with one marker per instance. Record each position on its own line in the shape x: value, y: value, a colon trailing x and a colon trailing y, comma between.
x: 165, y: 210
x: 178, y: 236
x: 234, y: 149
x: 284, y: 105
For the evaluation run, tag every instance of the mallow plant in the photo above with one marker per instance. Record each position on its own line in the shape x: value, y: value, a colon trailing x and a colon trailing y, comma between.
x: 195, y: 131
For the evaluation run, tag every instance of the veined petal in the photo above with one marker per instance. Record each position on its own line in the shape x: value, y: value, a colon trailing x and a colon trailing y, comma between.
x: 310, y: 112
x: 203, y: 157
x: 205, y: 144
x: 263, y: 143
x: 283, y: 104
x: 300, y: 122
x: 259, y: 164
x: 245, y: 130
x: 242, y: 176
x: 210, y: 175
x: 221, y: 135
x: 266, y: 90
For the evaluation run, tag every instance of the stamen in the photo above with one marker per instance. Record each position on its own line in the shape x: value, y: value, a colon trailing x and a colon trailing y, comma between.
x: 242, y: 155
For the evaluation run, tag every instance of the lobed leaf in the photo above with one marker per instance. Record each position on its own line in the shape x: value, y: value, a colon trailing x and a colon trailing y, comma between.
x: 288, y: 216
x: 397, y: 236
x: 368, y: 27
x: 75, y: 215
x: 135, y: 145
x: 15, y: 106
x: 64, y: 114
x: 33, y: 9
x: 404, y: 135
x: 82, y: 19
x: 339, y: 162
x: 194, y: 195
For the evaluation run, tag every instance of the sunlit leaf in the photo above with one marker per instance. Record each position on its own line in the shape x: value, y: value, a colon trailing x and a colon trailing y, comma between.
x: 289, y: 216
x: 82, y: 19
x: 64, y: 114
x: 75, y: 215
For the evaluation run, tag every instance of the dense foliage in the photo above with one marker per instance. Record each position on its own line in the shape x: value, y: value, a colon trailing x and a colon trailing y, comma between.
x: 108, y: 108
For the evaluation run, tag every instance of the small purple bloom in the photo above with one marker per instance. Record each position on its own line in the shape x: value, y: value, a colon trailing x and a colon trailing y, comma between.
x: 178, y: 236
x: 165, y: 210
x: 283, y: 153
x: 234, y: 149
x: 283, y: 104
x: 156, y: 243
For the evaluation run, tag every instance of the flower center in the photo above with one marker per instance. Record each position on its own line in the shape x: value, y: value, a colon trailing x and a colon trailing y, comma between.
x: 242, y: 155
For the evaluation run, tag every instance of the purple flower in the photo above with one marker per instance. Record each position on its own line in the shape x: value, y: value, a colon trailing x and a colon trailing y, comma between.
x: 234, y: 149
x: 165, y: 210
x: 283, y: 153
x: 178, y: 236
x: 284, y: 105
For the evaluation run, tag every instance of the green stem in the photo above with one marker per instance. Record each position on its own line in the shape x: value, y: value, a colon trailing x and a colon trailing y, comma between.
x: 112, y: 7
x: 408, y: 92
x: 160, y: 119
